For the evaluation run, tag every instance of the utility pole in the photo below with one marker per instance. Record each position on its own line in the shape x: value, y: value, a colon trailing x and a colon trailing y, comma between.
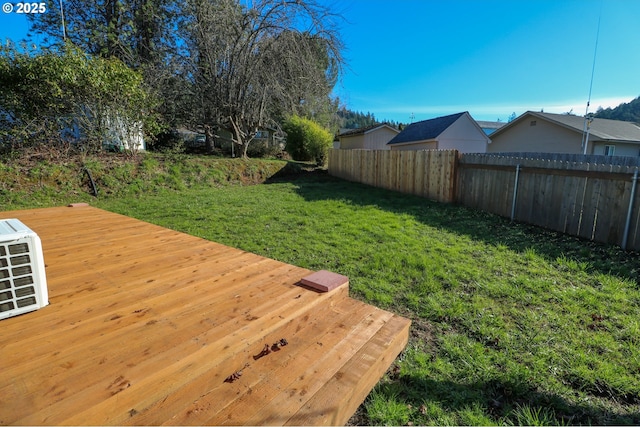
x: 64, y: 30
x: 587, y: 117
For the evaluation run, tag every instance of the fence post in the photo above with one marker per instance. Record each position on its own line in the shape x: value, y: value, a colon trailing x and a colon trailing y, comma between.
x: 625, y: 235
x: 515, y: 193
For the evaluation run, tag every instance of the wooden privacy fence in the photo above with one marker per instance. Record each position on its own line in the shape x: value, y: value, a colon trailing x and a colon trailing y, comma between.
x: 595, y: 201
x: 426, y: 173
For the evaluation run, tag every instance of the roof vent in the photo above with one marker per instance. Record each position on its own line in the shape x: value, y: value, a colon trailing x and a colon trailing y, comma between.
x: 23, y: 285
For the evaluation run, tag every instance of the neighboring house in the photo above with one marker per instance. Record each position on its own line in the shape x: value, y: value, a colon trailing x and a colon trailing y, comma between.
x: 267, y: 137
x: 119, y: 134
x: 373, y: 137
x: 122, y: 135
x: 490, y: 127
x: 270, y: 137
x: 455, y: 132
x: 223, y: 138
x: 191, y: 139
x: 562, y: 133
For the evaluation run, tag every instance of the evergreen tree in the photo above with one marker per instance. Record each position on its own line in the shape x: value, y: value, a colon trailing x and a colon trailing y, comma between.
x: 348, y: 119
x: 136, y: 31
x: 629, y: 112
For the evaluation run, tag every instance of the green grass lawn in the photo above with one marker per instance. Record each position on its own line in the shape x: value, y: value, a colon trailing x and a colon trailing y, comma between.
x: 511, y: 324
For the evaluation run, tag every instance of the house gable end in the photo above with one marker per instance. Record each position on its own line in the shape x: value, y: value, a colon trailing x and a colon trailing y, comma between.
x: 364, y: 130
x: 464, y: 135
x: 532, y: 133
x: 469, y: 124
x: 382, y: 128
x: 373, y: 137
x: 509, y: 125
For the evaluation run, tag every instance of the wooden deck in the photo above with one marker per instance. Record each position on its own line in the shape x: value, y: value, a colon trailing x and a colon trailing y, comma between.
x: 145, y: 324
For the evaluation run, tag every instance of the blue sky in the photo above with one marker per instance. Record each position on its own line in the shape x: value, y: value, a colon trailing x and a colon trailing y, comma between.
x: 13, y: 26
x: 489, y: 57
x: 429, y: 58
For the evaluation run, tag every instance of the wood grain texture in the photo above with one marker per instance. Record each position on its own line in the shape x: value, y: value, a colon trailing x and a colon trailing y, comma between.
x: 145, y: 324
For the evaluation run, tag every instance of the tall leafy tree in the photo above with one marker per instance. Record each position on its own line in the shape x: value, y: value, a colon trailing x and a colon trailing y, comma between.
x: 140, y: 33
x: 251, y: 64
x: 217, y: 64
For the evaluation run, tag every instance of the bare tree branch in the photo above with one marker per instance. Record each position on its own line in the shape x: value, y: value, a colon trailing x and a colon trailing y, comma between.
x: 252, y: 64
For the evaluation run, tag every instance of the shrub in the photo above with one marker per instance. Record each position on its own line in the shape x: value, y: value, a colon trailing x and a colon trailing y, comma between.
x: 63, y: 97
x: 307, y: 140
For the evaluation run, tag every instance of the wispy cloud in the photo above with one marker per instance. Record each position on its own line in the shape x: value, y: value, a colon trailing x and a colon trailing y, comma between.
x: 495, y: 111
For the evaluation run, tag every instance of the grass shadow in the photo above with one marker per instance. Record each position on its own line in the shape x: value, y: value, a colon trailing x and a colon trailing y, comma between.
x: 490, y: 391
x: 315, y: 185
x: 505, y: 402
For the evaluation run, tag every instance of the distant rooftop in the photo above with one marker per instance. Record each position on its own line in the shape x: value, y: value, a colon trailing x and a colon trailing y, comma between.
x: 361, y: 131
x: 425, y: 129
x: 489, y: 127
x: 604, y: 129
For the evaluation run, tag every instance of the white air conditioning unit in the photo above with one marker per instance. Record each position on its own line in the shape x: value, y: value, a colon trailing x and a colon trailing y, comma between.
x: 23, y: 285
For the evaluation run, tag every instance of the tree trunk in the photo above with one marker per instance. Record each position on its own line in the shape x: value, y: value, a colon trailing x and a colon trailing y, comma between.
x: 209, y: 138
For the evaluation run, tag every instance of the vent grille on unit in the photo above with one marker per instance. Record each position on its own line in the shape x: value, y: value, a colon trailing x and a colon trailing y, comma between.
x: 23, y: 285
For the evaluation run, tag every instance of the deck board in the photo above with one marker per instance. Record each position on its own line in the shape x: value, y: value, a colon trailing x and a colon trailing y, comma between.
x: 145, y: 323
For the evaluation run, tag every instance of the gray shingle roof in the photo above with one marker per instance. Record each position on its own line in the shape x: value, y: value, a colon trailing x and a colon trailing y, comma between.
x: 605, y: 129
x: 490, y: 125
x: 425, y: 130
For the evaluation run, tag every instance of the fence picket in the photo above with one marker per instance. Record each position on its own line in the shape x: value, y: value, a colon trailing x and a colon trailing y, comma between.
x: 586, y: 196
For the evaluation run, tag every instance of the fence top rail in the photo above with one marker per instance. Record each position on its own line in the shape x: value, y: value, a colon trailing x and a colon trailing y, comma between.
x: 561, y: 157
x: 387, y: 151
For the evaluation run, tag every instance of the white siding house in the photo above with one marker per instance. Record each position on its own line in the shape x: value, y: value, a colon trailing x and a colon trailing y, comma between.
x: 454, y: 132
x: 124, y: 136
x: 118, y: 133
